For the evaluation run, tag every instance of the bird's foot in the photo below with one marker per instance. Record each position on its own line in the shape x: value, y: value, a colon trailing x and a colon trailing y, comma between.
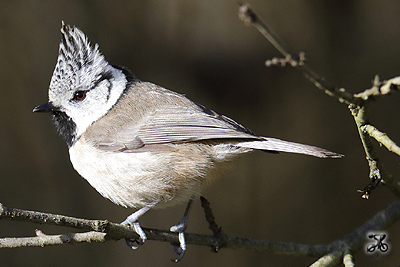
x: 181, y: 247
x: 135, y: 243
x: 132, y: 220
x: 180, y: 229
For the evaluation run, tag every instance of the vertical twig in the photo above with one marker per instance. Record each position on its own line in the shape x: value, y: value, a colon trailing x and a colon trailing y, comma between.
x: 378, y: 171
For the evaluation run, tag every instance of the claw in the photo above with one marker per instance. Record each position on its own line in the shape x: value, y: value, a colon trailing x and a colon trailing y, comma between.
x: 180, y: 229
x: 140, y: 232
x: 132, y: 221
x: 181, y: 248
x: 131, y: 243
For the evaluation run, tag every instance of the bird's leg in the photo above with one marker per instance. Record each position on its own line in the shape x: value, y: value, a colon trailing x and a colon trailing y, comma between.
x: 180, y: 229
x: 133, y: 221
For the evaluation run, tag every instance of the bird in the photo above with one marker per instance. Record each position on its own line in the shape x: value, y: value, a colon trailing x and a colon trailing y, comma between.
x: 138, y: 144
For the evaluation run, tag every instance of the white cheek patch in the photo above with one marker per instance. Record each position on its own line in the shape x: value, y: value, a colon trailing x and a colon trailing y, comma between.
x: 98, y: 102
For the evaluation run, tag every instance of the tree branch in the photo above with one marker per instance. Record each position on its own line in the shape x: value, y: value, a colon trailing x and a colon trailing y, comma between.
x: 379, y: 89
x: 382, y: 138
x: 358, y: 103
x: 359, y: 106
x: 377, y: 172
x: 332, y: 252
x: 52, y: 240
x: 251, y: 18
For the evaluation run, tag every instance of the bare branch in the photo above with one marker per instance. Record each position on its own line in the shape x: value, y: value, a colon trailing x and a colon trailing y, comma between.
x: 358, y: 103
x: 51, y: 240
x: 332, y: 259
x: 217, y: 231
x: 250, y: 18
x: 382, y: 138
x: 380, y: 89
x: 378, y: 172
x: 348, y: 260
x: 361, y: 117
x: 332, y: 252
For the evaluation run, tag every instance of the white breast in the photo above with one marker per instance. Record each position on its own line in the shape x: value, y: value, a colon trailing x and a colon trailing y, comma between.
x: 120, y: 177
x: 171, y: 176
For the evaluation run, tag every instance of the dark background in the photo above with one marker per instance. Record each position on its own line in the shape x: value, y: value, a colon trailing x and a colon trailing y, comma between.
x: 202, y: 49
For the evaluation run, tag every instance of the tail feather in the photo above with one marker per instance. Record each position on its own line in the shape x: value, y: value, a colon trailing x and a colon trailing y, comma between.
x: 277, y: 145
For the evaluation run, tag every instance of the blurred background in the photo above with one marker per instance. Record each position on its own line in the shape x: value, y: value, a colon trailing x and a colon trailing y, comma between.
x: 201, y: 49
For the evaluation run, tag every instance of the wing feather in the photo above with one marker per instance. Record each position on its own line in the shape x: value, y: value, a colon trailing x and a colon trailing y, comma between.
x: 174, y: 124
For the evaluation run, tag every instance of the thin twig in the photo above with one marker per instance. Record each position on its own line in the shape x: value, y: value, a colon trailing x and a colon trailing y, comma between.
x: 217, y: 231
x: 52, y: 240
x: 382, y: 138
x: 205, y: 204
x: 251, y: 18
x: 380, y: 89
x: 331, y: 259
x: 348, y: 260
x: 358, y: 103
x: 377, y: 172
x: 361, y: 117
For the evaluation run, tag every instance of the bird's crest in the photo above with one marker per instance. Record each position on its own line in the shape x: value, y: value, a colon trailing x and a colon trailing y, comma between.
x: 76, y: 57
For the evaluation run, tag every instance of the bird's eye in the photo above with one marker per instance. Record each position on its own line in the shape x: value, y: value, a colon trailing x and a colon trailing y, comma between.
x: 79, y: 95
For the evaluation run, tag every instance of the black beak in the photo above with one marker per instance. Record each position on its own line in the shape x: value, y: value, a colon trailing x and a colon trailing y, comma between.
x: 48, y: 107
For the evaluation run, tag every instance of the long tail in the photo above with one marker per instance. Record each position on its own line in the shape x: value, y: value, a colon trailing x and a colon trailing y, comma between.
x: 273, y: 144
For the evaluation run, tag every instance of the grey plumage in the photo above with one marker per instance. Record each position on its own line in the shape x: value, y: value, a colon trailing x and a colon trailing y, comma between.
x: 172, y: 118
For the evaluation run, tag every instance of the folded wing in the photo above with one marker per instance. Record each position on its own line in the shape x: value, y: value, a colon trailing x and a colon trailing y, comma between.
x: 177, y: 124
